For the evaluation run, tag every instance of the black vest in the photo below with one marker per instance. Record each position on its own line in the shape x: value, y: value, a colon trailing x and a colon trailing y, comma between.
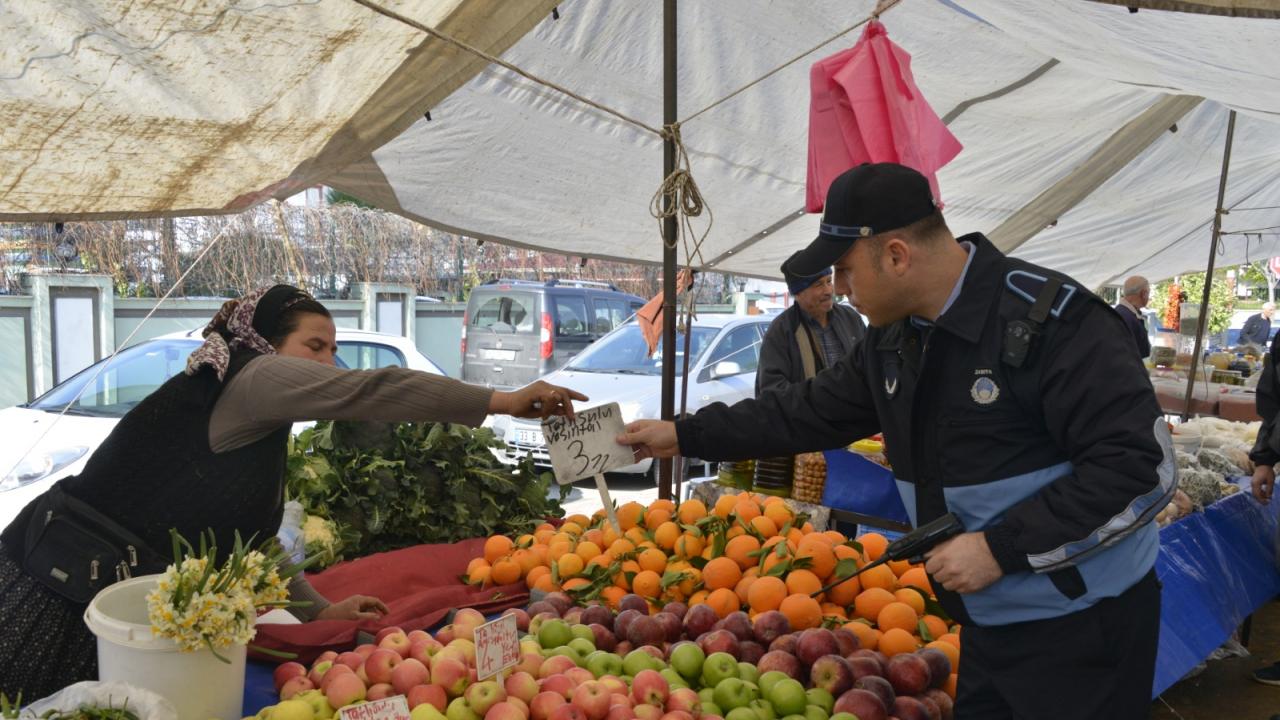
x: 156, y: 471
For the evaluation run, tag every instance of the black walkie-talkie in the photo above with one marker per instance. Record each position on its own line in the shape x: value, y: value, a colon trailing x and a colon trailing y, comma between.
x: 911, y: 546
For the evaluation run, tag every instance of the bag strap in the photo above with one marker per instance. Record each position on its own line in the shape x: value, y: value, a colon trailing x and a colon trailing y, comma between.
x: 808, y: 359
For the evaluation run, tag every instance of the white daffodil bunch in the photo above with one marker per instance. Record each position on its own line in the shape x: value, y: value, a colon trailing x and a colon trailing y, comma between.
x: 200, y: 604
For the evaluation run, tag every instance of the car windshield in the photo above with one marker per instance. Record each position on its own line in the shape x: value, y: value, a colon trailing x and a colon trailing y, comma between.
x: 624, y: 351
x: 131, y: 376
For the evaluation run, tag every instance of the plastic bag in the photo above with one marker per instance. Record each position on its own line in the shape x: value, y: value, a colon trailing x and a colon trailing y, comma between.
x: 146, y: 704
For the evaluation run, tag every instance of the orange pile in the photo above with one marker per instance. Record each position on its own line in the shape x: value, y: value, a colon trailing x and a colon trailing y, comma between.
x: 750, y: 552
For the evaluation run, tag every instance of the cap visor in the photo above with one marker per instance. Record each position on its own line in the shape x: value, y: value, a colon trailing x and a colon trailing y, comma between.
x: 821, y: 254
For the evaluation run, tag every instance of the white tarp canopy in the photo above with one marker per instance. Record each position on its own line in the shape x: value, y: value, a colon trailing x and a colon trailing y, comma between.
x: 115, y: 108
x: 1065, y: 108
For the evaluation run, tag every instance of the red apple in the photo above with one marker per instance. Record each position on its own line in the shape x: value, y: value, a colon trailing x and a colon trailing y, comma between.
x: 558, y: 683
x: 769, y: 626
x: 568, y: 712
x: 365, y: 650
x: 333, y: 673
x: 409, y: 674
x: 294, y: 685
x: 593, y: 698
x: 522, y: 685
x: 684, y: 700
x: 379, y: 665
x: 908, y: 673
x: 650, y: 688
x: 555, y: 665
x: 522, y: 618
x: 544, y: 704
x: 316, y: 676
x: 345, y: 690
x: 909, y: 708
x: 287, y: 671
x: 450, y: 674
x: 379, y: 691
x: 862, y: 703
x: 352, y: 660
x: 814, y: 643
x: 782, y: 662
x: 384, y: 632
x: 879, y: 686
x: 327, y: 656
x: 504, y: 711
x: 484, y: 695
x: 620, y: 712
x: 647, y: 712
x: 433, y: 695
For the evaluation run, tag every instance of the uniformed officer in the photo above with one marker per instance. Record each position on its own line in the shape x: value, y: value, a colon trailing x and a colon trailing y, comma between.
x: 1007, y: 394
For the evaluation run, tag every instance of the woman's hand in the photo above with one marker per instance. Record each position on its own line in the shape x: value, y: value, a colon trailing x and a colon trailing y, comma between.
x: 535, y: 400
x: 1264, y: 480
x: 356, y: 607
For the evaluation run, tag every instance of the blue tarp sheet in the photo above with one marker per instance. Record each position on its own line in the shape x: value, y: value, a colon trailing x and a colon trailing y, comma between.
x: 1216, y: 567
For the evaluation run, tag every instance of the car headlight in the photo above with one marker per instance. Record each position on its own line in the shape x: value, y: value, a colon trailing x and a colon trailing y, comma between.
x: 40, y: 465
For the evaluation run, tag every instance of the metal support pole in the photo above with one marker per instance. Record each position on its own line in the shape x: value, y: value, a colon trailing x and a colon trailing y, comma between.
x: 668, y: 238
x: 1208, y: 273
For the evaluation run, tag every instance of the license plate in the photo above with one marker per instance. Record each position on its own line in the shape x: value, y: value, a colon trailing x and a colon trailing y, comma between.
x: 529, y: 437
x: 490, y: 354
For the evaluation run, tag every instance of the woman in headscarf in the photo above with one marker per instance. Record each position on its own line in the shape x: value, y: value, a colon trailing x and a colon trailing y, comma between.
x: 206, y: 451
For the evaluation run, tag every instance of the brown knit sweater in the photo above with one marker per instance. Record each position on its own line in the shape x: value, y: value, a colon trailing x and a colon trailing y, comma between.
x: 273, y: 390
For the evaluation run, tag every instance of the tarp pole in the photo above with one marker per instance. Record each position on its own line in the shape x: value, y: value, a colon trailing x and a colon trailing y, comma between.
x: 668, y: 237
x: 1218, y: 212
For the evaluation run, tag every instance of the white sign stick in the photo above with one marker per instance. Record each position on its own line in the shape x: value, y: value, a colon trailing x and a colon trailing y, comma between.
x: 608, y: 504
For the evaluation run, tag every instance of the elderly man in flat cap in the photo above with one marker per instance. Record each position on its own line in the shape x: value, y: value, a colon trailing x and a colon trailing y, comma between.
x: 812, y: 334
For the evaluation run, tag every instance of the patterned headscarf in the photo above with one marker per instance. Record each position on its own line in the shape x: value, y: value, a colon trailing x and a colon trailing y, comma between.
x: 236, y: 327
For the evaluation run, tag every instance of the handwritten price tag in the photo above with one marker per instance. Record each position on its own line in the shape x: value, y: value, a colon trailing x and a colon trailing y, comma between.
x: 497, y: 647
x: 392, y: 708
x: 585, y: 446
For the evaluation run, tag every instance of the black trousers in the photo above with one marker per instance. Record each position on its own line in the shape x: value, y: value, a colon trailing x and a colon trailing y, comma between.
x: 1095, y: 664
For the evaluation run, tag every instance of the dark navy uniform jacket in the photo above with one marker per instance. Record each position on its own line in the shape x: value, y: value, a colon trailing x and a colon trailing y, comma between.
x: 1063, y: 462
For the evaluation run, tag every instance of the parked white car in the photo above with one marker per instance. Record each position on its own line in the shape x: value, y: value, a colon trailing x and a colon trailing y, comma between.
x: 618, y: 368
x: 132, y: 375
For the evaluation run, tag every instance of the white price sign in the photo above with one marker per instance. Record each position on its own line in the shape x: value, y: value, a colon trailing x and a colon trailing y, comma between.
x: 395, y: 707
x: 497, y: 647
x: 586, y: 446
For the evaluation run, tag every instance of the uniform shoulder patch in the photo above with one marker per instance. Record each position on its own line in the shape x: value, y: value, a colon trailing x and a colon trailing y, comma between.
x: 1027, y: 285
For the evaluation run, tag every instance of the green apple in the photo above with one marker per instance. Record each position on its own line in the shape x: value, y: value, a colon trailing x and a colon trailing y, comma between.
x: 787, y: 696
x: 794, y: 717
x: 687, y: 660
x: 570, y: 652
x: 769, y: 679
x: 583, y: 631
x: 732, y: 693
x: 815, y: 712
x: 529, y: 645
x: 638, y: 660
x: 710, y: 708
x: 844, y: 716
x: 554, y: 633
x: 673, y: 678
x: 820, y: 697
x: 706, y: 695
x: 764, y: 709
x: 602, y: 663
x: 426, y: 711
x: 319, y: 705
x: 584, y: 647
x: 292, y: 710
x: 717, y: 667
x: 749, y: 672
x: 742, y: 713
x: 460, y: 710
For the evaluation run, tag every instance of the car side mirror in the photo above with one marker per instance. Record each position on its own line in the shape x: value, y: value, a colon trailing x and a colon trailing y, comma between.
x: 725, y: 369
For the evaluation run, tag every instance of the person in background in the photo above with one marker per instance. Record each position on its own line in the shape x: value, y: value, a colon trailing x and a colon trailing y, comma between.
x: 1133, y: 297
x: 206, y: 451
x: 1257, y: 329
x: 1265, y: 455
x: 810, y: 336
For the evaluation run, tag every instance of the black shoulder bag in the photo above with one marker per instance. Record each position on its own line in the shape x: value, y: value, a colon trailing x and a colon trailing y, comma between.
x: 77, y: 551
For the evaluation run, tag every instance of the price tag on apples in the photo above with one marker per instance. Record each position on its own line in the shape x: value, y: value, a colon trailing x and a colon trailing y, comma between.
x: 395, y: 707
x: 497, y: 647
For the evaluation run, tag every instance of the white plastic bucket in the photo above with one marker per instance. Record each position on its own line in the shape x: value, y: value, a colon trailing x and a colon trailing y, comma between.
x: 198, y: 684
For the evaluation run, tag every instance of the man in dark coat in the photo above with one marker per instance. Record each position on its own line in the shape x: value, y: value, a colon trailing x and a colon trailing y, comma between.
x: 1134, y: 296
x: 812, y: 334
x: 1257, y: 329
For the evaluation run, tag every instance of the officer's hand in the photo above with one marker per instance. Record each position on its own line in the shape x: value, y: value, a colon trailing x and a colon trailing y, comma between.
x: 651, y: 438
x: 963, y: 564
x: 1264, y: 480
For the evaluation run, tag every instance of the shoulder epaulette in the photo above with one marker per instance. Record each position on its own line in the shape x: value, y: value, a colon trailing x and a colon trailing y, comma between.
x: 1027, y: 285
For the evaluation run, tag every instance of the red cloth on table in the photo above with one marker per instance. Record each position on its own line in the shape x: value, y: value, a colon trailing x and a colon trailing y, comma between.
x: 419, y: 584
x: 865, y: 108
